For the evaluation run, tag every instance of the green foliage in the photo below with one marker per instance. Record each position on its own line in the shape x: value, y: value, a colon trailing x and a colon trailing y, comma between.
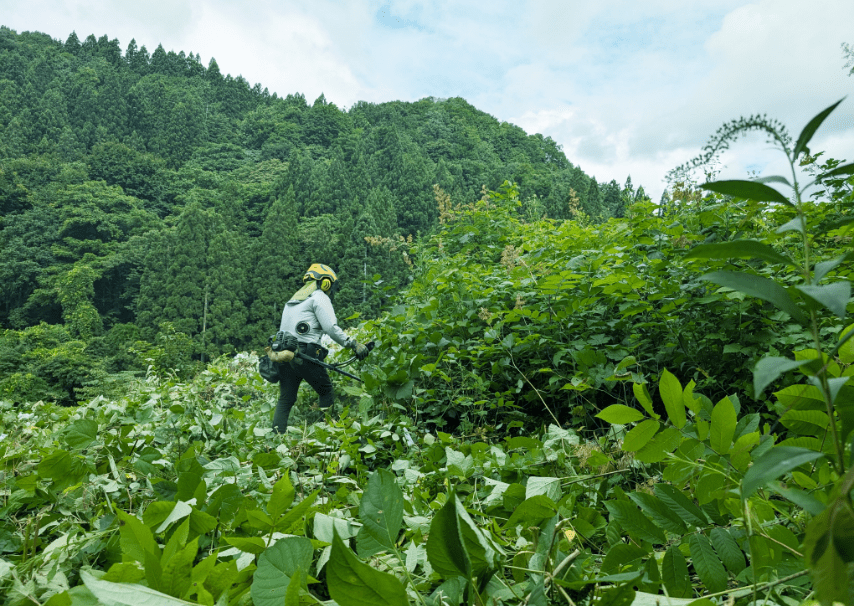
x: 107, y: 158
x: 649, y: 405
x: 509, y: 319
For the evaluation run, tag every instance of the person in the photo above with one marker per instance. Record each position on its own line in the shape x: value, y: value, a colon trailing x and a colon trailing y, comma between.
x: 308, y: 316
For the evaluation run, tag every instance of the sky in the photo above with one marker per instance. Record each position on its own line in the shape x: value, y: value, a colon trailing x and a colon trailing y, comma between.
x: 626, y: 87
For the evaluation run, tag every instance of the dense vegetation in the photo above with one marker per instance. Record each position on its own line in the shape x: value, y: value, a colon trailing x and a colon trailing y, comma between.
x: 652, y: 409
x: 616, y: 448
x: 146, y: 198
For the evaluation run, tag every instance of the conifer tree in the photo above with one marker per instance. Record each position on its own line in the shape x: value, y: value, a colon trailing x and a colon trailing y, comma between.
x: 319, y: 202
x: 277, y: 264
x: 72, y: 44
x: 611, y: 200
x: 196, y: 280
x: 593, y: 202
x: 341, y: 194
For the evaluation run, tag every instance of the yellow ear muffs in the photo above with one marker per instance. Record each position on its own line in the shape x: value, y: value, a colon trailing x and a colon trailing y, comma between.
x: 325, y: 284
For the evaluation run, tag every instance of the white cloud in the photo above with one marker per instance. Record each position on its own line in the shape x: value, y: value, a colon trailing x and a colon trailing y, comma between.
x: 626, y: 87
x: 286, y: 52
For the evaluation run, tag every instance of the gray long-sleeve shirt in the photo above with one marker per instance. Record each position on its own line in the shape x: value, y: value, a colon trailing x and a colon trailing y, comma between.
x: 317, y: 312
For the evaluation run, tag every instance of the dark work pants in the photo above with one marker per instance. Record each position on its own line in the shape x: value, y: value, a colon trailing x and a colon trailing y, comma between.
x: 291, y: 375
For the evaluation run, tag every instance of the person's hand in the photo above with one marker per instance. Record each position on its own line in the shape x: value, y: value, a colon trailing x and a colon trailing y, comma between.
x: 360, y: 350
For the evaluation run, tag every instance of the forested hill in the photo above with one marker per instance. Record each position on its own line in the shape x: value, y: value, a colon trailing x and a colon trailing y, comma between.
x: 147, y: 199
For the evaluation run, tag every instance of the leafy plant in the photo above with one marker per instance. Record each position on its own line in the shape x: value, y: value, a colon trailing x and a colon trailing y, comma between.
x: 828, y: 534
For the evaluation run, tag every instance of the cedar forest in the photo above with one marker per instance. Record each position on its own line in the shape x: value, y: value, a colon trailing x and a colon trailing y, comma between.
x: 578, y: 396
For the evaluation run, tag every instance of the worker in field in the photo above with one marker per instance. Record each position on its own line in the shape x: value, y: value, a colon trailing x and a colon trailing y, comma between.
x: 307, y: 317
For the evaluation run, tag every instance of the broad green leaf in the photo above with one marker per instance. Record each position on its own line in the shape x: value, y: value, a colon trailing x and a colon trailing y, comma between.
x: 445, y: 549
x: 801, y: 397
x: 773, y: 179
x: 833, y: 296
x: 65, y: 598
x: 481, y: 551
x: 55, y: 466
x: 658, y: 512
x: 634, y: 522
x: 834, y: 385
x: 773, y: 464
x: 846, y: 349
x: 618, y: 414
x: 126, y: 594
x: 200, y: 522
x: 842, y: 529
x: 532, y: 511
x: 692, y: 402
x: 845, y: 169
x: 222, y: 578
x: 671, y: 394
x: 276, y: 566
x: 135, y: 539
x: 449, y: 592
x: 81, y: 433
x: 6, y: 568
x: 381, y: 512
x: 621, y: 555
x: 769, y: 368
x: 225, y: 502
x: 255, y: 545
x: 728, y: 550
x: 537, y: 595
x: 297, y: 512
x: 830, y: 572
x: 188, y: 482
x: 293, y: 592
x: 657, y: 449
x: 176, y: 572
x: 709, y: 568
x: 822, y: 269
x: 176, y: 542
x: 124, y: 572
x: 640, y: 435
x: 180, y: 511
x: 801, y: 498
x: 618, y: 595
x: 797, y: 224
x: 749, y: 190
x: 546, y: 485
x: 325, y: 526
x: 759, y: 287
x: 809, y: 130
x: 740, y: 454
x: 708, y: 486
x: 644, y: 398
x: 723, y: 427
x: 741, y: 249
x: 682, y: 505
x: 847, y: 484
x: 353, y: 583
x: 156, y: 512
x: 282, y: 497
x: 809, y: 422
x: 674, y: 573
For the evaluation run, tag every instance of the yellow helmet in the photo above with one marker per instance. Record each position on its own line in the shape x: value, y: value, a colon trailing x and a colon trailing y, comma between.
x: 323, y: 274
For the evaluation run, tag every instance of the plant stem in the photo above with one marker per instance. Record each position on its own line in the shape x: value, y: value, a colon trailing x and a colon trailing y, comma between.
x: 537, y: 391
x: 756, y: 588
x: 408, y: 576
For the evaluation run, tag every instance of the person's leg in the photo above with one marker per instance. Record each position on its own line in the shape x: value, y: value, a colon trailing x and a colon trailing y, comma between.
x: 319, y: 380
x: 288, y: 388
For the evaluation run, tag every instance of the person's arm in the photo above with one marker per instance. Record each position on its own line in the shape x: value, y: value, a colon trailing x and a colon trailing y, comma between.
x: 325, y: 314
